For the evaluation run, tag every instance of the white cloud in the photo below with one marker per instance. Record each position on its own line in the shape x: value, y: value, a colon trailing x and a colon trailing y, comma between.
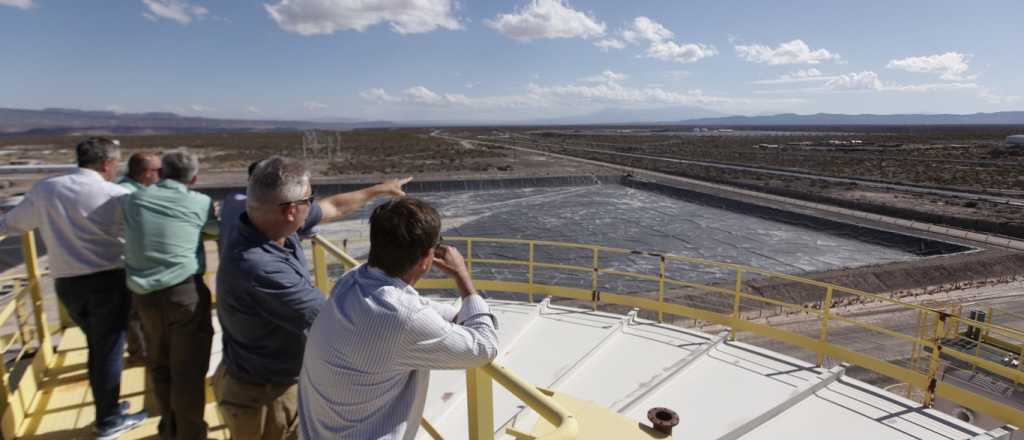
x: 378, y: 95
x: 860, y: 81
x: 547, y: 19
x: 175, y: 10
x: 798, y: 76
x: 866, y: 80
x: 680, y: 53
x: 989, y: 96
x: 645, y: 29
x: 253, y: 110
x: 20, y: 4
x: 610, y: 43
x: 793, y: 52
x: 615, y: 93
x: 422, y: 95
x: 676, y: 75
x: 196, y: 108
x: 313, y: 106
x: 565, y: 98
x: 417, y: 95
x: 951, y: 66
x: 605, y: 76
x: 660, y: 45
x: 115, y: 108
x: 471, y: 85
x: 931, y: 87
x: 317, y: 17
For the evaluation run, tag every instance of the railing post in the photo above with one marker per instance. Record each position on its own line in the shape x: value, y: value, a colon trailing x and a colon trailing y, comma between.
x: 661, y: 287
x: 469, y: 258
x: 593, y: 280
x: 28, y: 245
x: 480, y: 401
x: 736, y: 303
x: 933, y: 365
x: 988, y: 320
x: 320, y: 268
x: 915, y: 351
x: 530, y: 271
x: 20, y: 313
x: 826, y: 309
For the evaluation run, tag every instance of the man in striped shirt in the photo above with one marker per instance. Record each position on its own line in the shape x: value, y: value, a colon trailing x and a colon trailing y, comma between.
x: 370, y: 351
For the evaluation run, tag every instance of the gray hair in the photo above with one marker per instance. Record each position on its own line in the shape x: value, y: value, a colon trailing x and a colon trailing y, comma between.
x: 276, y: 180
x: 96, y: 150
x: 180, y: 166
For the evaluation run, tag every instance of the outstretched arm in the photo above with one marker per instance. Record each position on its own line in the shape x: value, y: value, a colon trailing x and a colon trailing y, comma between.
x: 339, y: 205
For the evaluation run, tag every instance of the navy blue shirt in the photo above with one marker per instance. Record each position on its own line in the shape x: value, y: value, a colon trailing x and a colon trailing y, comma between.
x: 266, y: 300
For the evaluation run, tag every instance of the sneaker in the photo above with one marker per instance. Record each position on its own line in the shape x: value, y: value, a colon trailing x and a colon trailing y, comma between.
x: 123, y: 408
x: 124, y: 424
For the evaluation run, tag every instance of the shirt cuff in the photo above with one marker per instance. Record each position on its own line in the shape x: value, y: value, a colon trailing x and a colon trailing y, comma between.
x: 474, y: 307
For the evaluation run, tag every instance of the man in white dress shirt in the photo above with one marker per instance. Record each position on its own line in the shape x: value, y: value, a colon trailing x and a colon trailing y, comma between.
x: 79, y: 218
x: 370, y: 351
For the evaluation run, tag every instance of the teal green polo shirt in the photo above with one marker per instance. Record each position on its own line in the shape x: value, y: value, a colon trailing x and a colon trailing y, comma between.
x: 130, y: 184
x: 163, y: 228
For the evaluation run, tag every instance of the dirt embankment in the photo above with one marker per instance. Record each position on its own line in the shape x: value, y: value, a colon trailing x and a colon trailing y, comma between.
x: 903, y: 279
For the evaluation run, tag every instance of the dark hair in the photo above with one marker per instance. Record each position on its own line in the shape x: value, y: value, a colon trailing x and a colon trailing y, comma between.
x: 401, y: 231
x: 137, y: 164
x: 96, y: 150
x: 252, y: 167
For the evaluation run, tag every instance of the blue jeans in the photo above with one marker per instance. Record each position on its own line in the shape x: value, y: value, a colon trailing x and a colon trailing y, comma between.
x: 99, y: 303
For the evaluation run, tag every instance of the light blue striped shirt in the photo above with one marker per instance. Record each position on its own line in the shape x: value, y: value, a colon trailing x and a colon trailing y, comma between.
x: 370, y: 351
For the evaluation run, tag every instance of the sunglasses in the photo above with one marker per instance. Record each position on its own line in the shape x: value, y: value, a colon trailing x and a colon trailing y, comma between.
x: 306, y: 201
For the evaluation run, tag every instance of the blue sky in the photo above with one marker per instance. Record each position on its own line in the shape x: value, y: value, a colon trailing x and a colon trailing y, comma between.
x: 510, y: 60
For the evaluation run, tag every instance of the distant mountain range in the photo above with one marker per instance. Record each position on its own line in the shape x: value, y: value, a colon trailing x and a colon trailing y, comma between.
x: 71, y: 121
x: 59, y: 120
x: 998, y: 118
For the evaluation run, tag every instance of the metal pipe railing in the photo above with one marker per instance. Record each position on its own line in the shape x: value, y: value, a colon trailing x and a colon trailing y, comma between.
x: 820, y: 343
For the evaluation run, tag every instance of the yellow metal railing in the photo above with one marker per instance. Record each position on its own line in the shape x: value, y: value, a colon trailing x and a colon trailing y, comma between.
x: 668, y: 286
x: 929, y: 352
x: 478, y: 380
x: 30, y: 342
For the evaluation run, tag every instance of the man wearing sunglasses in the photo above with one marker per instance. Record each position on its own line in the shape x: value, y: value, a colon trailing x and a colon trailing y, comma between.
x: 267, y: 299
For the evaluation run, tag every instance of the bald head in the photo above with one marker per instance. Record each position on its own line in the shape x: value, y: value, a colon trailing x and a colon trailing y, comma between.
x: 144, y: 168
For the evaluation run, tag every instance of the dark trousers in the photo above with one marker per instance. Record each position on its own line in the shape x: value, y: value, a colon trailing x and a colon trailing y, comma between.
x: 178, y: 338
x: 99, y: 304
x: 135, y: 338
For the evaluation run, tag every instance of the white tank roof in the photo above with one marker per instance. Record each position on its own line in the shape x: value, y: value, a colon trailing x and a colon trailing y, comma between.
x: 632, y: 365
x: 1017, y: 139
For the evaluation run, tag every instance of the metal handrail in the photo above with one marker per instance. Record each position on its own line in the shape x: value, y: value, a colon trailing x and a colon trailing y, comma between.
x: 566, y: 426
x: 927, y: 378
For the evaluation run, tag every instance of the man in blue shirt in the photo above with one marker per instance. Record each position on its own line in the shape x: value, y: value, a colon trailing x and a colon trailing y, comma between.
x: 267, y: 298
x: 231, y: 209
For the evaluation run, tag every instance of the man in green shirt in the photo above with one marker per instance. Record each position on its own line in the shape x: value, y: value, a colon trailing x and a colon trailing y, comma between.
x: 164, y: 262
x: 143, y: 171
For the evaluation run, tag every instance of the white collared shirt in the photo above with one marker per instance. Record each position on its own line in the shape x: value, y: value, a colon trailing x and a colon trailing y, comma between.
x: 79, y: 217
x: 370, y: 351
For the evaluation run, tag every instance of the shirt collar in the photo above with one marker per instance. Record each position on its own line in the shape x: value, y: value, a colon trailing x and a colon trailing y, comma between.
x: 172, y: 184
x: 380, y: 275
x: 90, y: 173
x: 251, y: 234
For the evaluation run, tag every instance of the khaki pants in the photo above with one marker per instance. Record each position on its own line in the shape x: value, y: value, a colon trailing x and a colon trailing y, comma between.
x: 257, y: 412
